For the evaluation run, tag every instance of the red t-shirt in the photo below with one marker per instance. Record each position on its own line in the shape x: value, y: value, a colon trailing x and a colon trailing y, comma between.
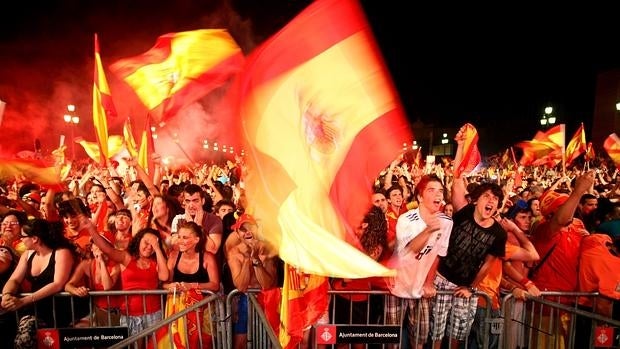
x: 134, y: 278
x: 599, y: 270
x: 559, y: 271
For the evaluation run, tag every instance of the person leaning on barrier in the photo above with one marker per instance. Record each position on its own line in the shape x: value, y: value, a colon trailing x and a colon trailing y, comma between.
x: 47, y: 267
x: 8, y: 323
x: 143, y: 267
x: 422, y: 236
x: 98, y: 273
x: 191, y: 270
x: 252, y: 264
x: 476, y: 241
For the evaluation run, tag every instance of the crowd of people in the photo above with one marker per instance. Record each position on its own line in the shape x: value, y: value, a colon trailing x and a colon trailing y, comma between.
x: 186, y: 230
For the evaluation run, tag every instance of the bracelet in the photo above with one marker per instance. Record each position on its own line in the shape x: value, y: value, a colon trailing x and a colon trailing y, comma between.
x: 32, y: 298
x: 524, y: 281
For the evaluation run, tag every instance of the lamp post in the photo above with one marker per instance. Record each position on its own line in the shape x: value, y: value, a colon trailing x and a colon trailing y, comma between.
x: 72, y: 120
x: 548, y: 119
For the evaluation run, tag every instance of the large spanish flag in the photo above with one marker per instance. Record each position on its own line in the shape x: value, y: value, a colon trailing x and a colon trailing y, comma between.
x: 321, y: 118
x: 102, y: 106
x: 181, y: 68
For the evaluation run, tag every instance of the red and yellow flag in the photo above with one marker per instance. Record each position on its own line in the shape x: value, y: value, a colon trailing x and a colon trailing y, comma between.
x: 130, y: 141
x: 181, y: 68
x: 102, y: 106
x: 612, y: 147
x: 35, y: 170
x: 471, y: 154
x: 576, y: 146
x: 590, y: 155
x: 114, y: 146
x: 321, y: 119
x: 304, y: 301
x: 542, y: 145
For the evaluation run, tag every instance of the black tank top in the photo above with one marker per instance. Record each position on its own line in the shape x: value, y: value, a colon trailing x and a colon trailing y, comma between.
x: 46, y: 276
x: 200, y: 275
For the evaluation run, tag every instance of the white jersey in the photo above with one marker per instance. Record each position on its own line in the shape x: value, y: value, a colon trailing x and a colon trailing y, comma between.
x: 412, y: 268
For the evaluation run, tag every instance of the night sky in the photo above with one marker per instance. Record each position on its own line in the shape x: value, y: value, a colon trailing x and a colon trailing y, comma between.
x: 450, y: 65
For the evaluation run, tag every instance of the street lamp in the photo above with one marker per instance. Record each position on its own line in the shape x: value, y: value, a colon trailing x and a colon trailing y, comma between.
x: 72, y: 120
x: 548, y: 119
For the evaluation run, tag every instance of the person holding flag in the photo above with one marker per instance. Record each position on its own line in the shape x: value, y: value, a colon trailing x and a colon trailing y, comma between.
x: 477, y: 240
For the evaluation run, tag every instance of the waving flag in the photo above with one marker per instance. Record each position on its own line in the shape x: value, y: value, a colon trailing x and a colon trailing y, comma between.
x: 319, y: 84
x: 543, y: 144
x: 147, y: 148
x: 35, y: 170
x: 471, y: 154
x: 102, y: 106
x: 304, y: 301
x: 180, y: 69
x: 577, y: 145
x: 130, y: 141
x: 590, y: 155
x: 612, y: 147
x: 114, y: 146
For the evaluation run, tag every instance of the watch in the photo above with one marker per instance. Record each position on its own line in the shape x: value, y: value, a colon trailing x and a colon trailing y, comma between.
x: 472, y: 289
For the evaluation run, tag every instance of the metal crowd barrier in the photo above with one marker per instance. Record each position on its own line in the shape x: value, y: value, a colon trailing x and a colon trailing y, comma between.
x: 554, y: 320
x: 520, y: 324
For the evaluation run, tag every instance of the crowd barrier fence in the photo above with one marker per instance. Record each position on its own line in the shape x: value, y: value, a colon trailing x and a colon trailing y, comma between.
x: 549, y: 321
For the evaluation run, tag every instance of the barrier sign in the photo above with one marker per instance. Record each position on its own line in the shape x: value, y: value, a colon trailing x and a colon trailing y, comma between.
x: 332, y: 334
x: 603, y: 337
x: 61, y: 338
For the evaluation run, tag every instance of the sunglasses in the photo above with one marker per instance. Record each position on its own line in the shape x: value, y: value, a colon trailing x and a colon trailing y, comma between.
x: 9, y: 224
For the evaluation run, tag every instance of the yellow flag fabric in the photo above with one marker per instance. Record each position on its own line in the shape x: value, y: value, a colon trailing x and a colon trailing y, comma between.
x: 35, y: 170
x: 114, y: 146
x: 320, y: 118
x: 304, y: 301
x: 130, y: 141
x: 181, y: 68
x: 102, y: 107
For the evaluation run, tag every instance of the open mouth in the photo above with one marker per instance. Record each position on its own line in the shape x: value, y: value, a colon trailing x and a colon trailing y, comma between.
x: 488, y: 209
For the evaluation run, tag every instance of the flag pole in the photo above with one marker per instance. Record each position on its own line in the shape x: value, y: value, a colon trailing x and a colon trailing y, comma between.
x: 563, y: 128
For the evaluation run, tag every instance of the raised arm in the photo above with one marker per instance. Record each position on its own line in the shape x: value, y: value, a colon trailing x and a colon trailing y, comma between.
x: 458, y: 185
